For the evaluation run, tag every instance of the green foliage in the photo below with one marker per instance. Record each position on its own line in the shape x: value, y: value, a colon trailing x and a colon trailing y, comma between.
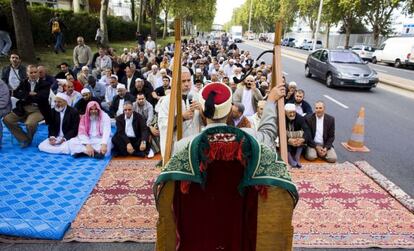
x: 264, y: 15
x: 198, y: 12
x: 78, y: 24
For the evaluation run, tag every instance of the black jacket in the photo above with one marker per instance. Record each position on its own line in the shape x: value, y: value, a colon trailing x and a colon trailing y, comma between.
x: 5, y: 73
x: 124, y: 81
x: 69, y: 126
x: 299, y: 123
x: 328, y: 130
x: 147, y: 90
x: 41, y: 98
x: 115, y: 103
x: 306, y: 107
x: 138, y: 124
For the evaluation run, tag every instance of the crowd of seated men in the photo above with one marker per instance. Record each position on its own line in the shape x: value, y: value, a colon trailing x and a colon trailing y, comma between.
x: 130, y: 91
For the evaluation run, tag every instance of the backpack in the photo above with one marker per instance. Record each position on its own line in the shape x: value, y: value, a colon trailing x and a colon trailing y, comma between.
x: 55, y: 26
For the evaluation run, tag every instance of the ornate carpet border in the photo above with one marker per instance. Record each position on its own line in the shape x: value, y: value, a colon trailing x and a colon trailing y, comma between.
x: 394, y: 190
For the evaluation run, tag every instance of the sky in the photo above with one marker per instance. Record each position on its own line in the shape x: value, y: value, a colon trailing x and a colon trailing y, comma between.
x: 225, y: 10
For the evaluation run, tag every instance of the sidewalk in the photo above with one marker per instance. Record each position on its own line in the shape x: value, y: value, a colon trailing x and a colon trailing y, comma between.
x: 402, y: 83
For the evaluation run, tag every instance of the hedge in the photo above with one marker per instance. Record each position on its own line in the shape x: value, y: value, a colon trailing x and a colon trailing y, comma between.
x: 78, y: 24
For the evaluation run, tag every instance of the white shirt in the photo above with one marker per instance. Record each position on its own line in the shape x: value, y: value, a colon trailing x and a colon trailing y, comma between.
x: 32, y: 85
x: 129, y: 130
x: 120, y: 107
x: 14, y: 78
x: 319, y: 131
x: 299, y: 110
x: 150, y: 45
x: 247, y: 102
x: 129, y: 80
x: 110, y: 93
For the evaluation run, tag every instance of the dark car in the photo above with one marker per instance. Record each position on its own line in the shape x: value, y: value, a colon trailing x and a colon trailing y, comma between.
x: 286, y: 41
x: 340, y: 68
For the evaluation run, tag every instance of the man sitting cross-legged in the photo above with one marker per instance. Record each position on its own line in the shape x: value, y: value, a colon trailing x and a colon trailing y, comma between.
x: 132, y: 134
x: 94, y: 134
x: 322, y: 127
x: 63, y: 126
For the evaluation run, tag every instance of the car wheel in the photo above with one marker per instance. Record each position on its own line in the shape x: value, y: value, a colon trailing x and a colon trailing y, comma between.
x: 329, y: 80
x: 308, y: 74
x: 374, y: 60
x: 367, y: 88
x: 397, y: 63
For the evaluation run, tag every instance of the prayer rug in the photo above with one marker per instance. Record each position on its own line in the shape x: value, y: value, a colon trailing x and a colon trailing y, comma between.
x: 121, y: 207
x: 40, y: 193
x: 341, y: 207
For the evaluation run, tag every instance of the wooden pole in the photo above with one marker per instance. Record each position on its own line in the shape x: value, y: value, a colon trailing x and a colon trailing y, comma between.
x: 175, y: 97
x: 277, y: 80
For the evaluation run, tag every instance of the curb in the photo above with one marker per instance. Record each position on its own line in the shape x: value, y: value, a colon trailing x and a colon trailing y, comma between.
x: 381, y: 80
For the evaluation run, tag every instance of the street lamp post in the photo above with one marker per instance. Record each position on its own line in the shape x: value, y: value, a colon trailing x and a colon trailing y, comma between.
x: 250, y: 14
x: 315, y: 37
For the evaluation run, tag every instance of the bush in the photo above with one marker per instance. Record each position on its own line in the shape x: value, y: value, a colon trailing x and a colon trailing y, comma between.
x: 79, y: 24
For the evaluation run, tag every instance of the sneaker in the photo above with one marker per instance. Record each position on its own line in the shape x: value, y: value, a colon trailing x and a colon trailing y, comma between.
x: 150, y: 154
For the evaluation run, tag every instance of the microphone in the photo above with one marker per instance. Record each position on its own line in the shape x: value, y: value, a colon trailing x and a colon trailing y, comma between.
x: 190, y: 98
x: 236, y: 80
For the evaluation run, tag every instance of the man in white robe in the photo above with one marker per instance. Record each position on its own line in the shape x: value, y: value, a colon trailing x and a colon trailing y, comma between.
x: 192, y: 120
x: 63, y: 126
x: 94, y: 135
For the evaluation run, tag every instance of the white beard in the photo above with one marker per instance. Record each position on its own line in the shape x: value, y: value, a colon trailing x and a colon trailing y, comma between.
x: 59, y: 109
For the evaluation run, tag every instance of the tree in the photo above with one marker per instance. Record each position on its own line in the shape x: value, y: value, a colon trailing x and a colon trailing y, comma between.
x: 308, y: 10
x: 351, y: 12
x: 103, y: 21
x: 23, y: 30
x: 379, y: 16
x: 153, y: 9
x: 329, y: 17
x: 132, y: 10
x: 166, y: 5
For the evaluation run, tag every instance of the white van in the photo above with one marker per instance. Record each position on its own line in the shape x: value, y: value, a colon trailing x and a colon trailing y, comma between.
x: 396, y: 50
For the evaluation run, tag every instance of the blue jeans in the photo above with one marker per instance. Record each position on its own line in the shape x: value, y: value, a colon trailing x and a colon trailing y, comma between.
x: 59, y: 42
x: 5, y: 42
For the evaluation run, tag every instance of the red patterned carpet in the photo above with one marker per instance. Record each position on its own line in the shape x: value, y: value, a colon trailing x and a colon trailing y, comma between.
x: 340, y: 207
x: 121, y: 206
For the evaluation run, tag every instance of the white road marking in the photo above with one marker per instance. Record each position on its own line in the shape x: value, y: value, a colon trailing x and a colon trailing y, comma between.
x: 336, y: 101
x: 285, y: 73
x: 381, y: 70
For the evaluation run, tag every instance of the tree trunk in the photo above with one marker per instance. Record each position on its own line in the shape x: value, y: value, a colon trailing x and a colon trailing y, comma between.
x: 141, y: 10
x: 348, y: 27
x: 133, y: 10
x: 376, y: 33
x: 164, y: 33
x: 328, y: 27
x: 153, y: 25
x: 103, y: 21
x: 23, y: 30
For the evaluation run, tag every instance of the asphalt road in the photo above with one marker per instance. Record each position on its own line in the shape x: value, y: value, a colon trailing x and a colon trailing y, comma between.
x: 389, y: 121
x: 406, y: 73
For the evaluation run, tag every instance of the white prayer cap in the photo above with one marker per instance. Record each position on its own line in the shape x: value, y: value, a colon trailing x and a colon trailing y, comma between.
x: 134, y: 55
x: 114, y: 76
x: 120, y: 86
x: 221, y: 58
x: 138, y: 79
x: 125, y: 49
x: 62, y: 96
x: 85, y: 68
x: 154, y: 66
x: 163, y: 70
x: 85, y: 90
x: 292, y: 84
x: 290, y: 107
x: 198, y: 70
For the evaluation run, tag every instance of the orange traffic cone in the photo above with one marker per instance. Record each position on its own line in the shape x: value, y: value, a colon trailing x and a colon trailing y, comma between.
x: 356, y: 142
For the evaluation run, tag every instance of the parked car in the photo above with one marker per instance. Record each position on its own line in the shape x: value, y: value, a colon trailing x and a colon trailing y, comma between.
x: 364, y: 51
x: 340, y: 68
x: 291, y: 43
x: 397, y: 51
x: 286, y: 41
x: 250, y: 36
x: 309, y: 45
x: 300, y: 43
